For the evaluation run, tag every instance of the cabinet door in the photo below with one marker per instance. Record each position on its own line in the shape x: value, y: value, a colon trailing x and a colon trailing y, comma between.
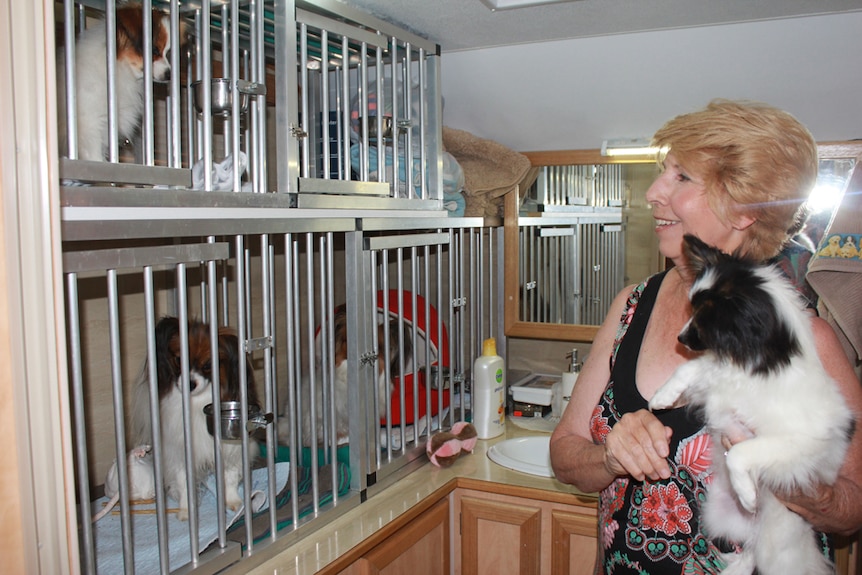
x: 500, y: 538
x: 573, y: 543
x: 420, y: 547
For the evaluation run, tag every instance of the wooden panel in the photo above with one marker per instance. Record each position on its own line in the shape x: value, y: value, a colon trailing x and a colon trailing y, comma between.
x: 573, y: 543
x: 424, y: 542
x: 581, y: 157
x: 499, y: 538
x: 513, y: 326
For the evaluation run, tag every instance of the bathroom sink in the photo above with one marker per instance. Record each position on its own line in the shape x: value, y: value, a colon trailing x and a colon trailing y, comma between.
x: 525, y: 454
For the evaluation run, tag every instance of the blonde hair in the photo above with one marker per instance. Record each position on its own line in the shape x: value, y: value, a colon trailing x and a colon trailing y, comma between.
x: 755, y: 160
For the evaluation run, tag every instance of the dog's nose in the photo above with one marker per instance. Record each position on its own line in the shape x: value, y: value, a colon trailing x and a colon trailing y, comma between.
x: 690, y: 339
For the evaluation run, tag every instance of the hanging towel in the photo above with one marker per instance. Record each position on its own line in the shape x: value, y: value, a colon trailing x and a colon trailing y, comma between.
x: 490, y: 170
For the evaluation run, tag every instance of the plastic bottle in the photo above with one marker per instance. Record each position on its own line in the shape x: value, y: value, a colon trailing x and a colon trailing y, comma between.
x: 489, y: 392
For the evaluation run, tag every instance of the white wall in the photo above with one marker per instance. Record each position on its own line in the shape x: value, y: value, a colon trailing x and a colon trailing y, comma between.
x: 573, y: 94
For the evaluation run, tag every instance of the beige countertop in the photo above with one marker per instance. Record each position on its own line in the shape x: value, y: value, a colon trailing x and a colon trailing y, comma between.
x: 323, y: 546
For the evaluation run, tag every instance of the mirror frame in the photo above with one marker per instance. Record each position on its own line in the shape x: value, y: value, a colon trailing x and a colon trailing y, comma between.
x: 513, y: 326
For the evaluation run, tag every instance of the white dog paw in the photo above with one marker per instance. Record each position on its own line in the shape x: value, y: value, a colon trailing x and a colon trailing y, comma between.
x: 738, y: 564
x: 183, y: 514
x: 233, y: 503
x: 663, y: 399
x: 743, y: 485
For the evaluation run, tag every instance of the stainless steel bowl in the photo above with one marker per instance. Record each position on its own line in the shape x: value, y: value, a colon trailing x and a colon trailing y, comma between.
x: 434, y: 371
x: 231, y: 419
x: 372, y: 127
x: 220, y: 96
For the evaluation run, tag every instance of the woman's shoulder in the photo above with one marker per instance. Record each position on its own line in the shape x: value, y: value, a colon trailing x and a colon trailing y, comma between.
x: 634, y: 292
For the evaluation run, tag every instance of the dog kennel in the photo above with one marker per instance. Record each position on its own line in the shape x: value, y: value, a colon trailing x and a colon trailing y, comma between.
x: 310, y: 182
x: 264, y: 96
x: 572, y: 249
x: 275, y: 285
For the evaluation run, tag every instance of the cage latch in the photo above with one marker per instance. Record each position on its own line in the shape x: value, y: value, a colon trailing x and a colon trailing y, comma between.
x: 298, y: 132
x: 258, y: 343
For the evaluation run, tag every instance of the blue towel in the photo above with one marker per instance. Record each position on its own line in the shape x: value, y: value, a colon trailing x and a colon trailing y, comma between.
x: 355, y: 163
x: 107, y: 532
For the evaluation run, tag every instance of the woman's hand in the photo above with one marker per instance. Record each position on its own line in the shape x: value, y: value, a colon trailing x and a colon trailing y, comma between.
x: 638, y: 445
x: 813, y: 507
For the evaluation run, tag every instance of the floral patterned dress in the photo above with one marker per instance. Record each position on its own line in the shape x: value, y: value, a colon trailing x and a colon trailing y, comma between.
x: 652, y: 527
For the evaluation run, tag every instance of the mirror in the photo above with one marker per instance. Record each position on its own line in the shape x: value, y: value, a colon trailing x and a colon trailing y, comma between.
x: 543, y: 225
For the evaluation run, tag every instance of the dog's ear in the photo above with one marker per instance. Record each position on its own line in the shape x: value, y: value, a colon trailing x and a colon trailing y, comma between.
x: 339, y: 322
x: 130, y: 23
x: 183, y: 33
x: 229, y: 354
x: 699, y: 254
x: 393, y: 345
x: 167, y: 347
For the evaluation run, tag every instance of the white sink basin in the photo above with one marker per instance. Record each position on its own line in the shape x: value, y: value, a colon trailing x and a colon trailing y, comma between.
x: 525, y: 454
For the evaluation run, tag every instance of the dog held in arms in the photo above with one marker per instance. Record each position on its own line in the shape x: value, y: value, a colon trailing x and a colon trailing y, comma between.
x: 382, y: 389
x: 758, y: 376
x: 168, y: 358
x: 91, y: 89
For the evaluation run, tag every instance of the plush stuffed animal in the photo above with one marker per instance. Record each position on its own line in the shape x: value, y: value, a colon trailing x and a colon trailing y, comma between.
x: 444, y: 447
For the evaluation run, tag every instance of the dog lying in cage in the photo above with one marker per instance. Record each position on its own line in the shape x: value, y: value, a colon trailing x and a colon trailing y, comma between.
x: 383, y: 389
x: 91, y: 86
x: 169, y: 381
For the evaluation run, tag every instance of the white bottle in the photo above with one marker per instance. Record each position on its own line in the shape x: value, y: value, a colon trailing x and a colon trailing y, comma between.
x: 489, y: 392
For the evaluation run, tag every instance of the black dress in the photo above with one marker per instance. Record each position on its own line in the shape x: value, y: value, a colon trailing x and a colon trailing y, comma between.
x: 652, y: 527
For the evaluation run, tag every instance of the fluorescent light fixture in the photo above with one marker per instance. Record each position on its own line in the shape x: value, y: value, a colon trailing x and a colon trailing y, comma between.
x: 495, y: 5
x: 628, y: 147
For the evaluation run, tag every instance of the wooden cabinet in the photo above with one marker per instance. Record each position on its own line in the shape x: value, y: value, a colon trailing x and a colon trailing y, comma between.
x: 479, y: 528
x: 573, y: 542
x: 499, y: 537
x: 421, y: 546
x: 512, y: 534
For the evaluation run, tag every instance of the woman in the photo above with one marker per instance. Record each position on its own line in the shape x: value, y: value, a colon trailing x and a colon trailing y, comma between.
x: 735, y: 175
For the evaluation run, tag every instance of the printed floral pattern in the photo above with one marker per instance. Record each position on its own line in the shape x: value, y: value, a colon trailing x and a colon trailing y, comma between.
x: 653, y: 527
x: 665, y: 509
x: 695, y: 453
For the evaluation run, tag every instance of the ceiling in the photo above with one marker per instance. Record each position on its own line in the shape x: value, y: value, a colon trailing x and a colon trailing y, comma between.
x: 469, y: 24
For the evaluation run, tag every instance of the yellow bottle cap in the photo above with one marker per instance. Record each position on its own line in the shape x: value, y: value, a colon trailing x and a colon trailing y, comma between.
x: 489, y: 347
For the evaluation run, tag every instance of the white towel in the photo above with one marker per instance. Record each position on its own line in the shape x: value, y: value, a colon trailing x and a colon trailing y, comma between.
x: 410, y: 430
x: 222, y: 174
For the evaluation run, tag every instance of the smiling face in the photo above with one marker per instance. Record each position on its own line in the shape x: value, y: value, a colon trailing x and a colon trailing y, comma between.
x: 679, y: 201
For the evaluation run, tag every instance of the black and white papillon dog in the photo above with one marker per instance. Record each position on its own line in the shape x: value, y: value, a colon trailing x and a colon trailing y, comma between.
x: 168, y: 360
x: 758, y: 376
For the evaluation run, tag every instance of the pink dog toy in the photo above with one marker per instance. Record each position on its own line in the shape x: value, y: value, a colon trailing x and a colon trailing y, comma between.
x: 444, y: 447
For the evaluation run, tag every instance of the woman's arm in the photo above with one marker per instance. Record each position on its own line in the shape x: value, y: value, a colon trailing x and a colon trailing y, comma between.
x: 637, y: 445
x: 836, y: 508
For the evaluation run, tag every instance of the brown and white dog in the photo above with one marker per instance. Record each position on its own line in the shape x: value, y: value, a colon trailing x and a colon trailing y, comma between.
x: 168, y: 358
x: 91, y: 88
x: 383, y: 388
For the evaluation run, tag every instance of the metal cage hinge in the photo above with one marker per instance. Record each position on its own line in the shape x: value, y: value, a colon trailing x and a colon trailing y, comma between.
x: 297, y: 132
